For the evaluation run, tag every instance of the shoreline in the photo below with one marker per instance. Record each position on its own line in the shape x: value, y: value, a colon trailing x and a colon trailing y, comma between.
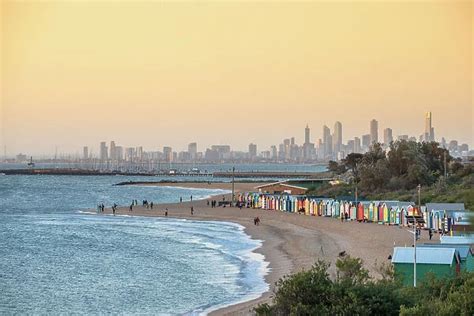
x: 290, y: 242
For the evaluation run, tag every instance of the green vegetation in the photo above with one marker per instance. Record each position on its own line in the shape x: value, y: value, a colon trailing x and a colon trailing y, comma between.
x: 353, y: 292
x: 394, y: 175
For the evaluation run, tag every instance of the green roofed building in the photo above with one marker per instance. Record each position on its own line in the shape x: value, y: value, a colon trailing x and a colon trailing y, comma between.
x: 464, y: 251
x: 442, y: 262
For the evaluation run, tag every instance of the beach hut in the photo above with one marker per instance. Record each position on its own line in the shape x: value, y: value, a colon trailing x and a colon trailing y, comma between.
x: 464, y: 251
x: 442, y: 262
x: 353, y: 211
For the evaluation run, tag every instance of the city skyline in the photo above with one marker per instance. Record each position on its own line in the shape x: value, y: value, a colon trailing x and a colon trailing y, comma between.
x: 178, y: 71
x: 329, y: 147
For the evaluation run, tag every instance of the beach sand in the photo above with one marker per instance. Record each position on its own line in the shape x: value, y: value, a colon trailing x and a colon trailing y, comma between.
x: 291, y: 242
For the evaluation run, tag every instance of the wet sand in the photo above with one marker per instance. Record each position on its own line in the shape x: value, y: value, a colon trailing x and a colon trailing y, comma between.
x: 291, y: 242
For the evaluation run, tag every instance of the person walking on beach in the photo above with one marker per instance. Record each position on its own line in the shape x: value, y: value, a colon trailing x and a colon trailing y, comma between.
x: 430, y: 232
x: 191, y: 198
x: 180, y: 199
x: 131, y: 208
x: 346, y: 216
x: 166, y: 212
x: 151, y: 205
x: 192, y: 210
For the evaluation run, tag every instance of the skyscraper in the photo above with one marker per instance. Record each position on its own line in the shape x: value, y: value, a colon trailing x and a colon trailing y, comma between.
x: 374, y: 131
x: 85, y: 153
x: 168, y: 154
x: 306, y: 135
x: 274, y: 152
x: 113, y: 154
x: 327, y: 141
x: 192, y: 150
x: 429, y: 130
x: 103, y: 151
x: 252, y: 151
x: 337, y: 137
x: 365, y: 141
x: 387, y: 136
x: 357, y: 148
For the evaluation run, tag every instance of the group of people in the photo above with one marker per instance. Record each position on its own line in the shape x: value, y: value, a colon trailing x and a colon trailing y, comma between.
x: 213, y: 203
x: 181, y: 199
x: 345, y: 217
x: 101, y: 208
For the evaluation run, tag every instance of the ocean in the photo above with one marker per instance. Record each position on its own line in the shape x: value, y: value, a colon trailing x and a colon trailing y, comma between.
x: 55, y: 258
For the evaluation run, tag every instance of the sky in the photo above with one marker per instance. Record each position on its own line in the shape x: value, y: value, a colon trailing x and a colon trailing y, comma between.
x: 75, y: 73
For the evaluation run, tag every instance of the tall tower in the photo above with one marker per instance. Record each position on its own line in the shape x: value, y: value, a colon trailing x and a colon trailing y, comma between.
x: 327, y: 141
x: 387, y: 136
x: 337, y: 137
x: 112, y: 154
x: 429, y: 130
x: 192, y: 150
x: 374, y: 131
x: 306, y: 135
x: 103, y: 151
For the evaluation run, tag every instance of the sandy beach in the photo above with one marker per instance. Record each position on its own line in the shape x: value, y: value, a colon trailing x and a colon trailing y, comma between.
x: 291, y: 242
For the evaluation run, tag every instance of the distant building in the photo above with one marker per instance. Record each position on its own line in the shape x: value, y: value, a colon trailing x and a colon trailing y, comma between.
x: 103, y: 155
x: 273, y: 152
x: 307, y: 135
x: 337, y: 137
x: 223, y: 151
x: 85, y: 153
x: 327, y: 142
x: 350, y: 146
x: 139, y: 153
x: 429, y: 130
x: 192, y: 150
x: 113, y: 154
x: 453, y: 145
x: 387, y: 136
x: 402, y: 137
x: 374, y: 131
x: 252, y: 151
x: 168, y: 154
x: 357, y: 146
x: 366, y: 141
x: 119, y: 152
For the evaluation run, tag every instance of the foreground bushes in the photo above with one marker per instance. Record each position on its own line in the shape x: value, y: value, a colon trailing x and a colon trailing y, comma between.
x: 313, y: 292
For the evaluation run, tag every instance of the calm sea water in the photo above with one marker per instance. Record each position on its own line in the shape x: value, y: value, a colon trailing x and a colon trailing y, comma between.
x: 56, y: 260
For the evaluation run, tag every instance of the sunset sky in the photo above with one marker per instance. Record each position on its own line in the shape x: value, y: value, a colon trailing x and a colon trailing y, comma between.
x: 169, y: 73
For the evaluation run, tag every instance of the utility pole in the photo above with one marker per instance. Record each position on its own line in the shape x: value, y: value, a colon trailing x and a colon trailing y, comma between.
x: 415, y: 236
x: 445, y: 169
x: 414, y: 255
x: 419, y: 196
x: 233, y: 185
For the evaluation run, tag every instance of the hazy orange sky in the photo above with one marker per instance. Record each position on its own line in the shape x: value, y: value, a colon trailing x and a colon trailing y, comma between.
x: 168, y: 73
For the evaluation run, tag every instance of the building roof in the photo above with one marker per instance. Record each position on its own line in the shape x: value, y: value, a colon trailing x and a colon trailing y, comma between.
x: 424, y: 255
x: 392, y: 204
x: 284, y: 183
x: 463, y: 250
x: 445, y: 206
x: 468, y: 239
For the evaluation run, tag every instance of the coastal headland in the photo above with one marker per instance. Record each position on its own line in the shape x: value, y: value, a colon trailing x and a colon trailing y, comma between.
x: 291, y: 242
